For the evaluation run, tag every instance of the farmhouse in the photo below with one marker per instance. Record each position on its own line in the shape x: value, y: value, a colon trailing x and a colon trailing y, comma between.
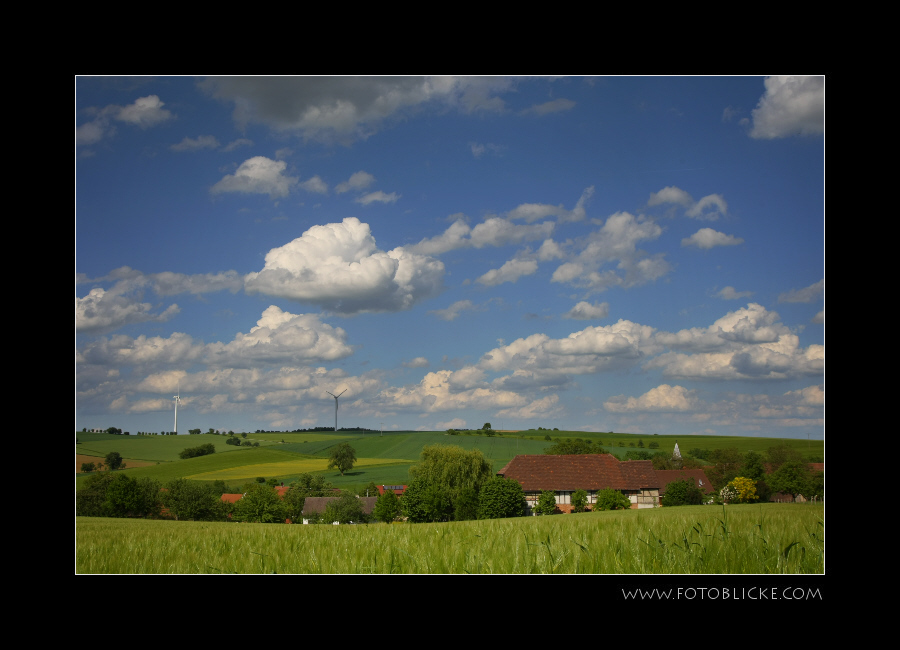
x: 563, y: 475
x: 317, y: 505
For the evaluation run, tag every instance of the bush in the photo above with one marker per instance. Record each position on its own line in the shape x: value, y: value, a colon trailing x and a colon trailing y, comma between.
x: 202, y: 450
x: 194, y: 501
x: 610, y: 499
x: 501, y: 497
x: 114, y: 460
x: 260, y: 504
x: 579, y: 501
x: 387, y: 507
x: 546, y: 504
x: 745, y: 488
x: 683, y: 492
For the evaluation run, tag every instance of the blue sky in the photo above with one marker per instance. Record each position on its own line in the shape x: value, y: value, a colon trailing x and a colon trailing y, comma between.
x: 634, y: 254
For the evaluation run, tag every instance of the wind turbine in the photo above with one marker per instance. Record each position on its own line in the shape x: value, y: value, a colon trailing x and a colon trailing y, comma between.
x: 336, y: 405
x: 177, y: 399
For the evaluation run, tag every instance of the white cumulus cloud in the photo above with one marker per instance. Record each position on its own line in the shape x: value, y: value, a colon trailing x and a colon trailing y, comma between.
x: 790, y: 106
x: 707, y: 238
x: 339, y: 267
x: 258, y: 175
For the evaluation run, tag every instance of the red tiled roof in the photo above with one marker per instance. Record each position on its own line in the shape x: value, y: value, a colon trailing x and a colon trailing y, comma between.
x: 580, y: 472
x: 396, y: 489
x: 232, y: 498
x: 667, y: 476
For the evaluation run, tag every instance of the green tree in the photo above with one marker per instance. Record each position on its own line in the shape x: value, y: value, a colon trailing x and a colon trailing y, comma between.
x: 88, y: 467
x: 579, y: 501
x: 90, y: 500
x: 293, y: 502
x: 128, y: 497
x: 500, y: 498
x: 726, y: 467
x: 465, y: 504
x: 570, y: 447
x: 261, y: 505
x: 114, y: 460
x: 753, y: 466
x: 342, y: 457
x: 426, y: 502
x: 313, y: 485
x: 683, y: 492
x: 780, y: 454
x: 202, y: 450
x: 452, y: 468
x: 546, y: 504
x: 610, y: 499
x: 193, y: 501
x: 387, y: 507
x: 345, y: 509
x: 371, y: 490
x: 792, y: 477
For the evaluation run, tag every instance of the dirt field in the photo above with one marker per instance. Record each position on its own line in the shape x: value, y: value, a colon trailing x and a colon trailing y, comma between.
x: 82, y: 458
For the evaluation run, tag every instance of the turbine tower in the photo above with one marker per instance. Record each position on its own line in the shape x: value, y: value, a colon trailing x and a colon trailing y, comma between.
x: 177, y: 399
x: 336, y: 405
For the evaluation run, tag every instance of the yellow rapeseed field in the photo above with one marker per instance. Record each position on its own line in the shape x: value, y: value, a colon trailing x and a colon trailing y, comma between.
x: 284, y: 468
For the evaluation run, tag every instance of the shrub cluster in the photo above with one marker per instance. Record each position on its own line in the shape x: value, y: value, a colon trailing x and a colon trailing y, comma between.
x: 202, y: 450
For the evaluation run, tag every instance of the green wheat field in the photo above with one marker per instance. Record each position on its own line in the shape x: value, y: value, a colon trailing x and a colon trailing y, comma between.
x: 734, y: 539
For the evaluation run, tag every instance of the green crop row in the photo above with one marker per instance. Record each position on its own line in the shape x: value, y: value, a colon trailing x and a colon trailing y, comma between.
x: 735, y: 539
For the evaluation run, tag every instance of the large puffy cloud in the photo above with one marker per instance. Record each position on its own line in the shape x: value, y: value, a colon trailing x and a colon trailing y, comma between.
x: 344, y: 109
x: 663, y: 398
x: 616, y: 242
x: 122, y: 350
x: 280, y: 336
x: 493, y: 231
x: 790, y: 106
x: 103, y: 311
x: 591, y: 350
x: 502, y: 231
x: 339, y: 267
x: 438, y: 391
x: 749, y: 343
x: 258, y: 175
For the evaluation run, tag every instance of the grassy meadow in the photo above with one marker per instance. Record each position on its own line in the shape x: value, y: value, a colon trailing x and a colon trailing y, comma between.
x: 382, y: 459
x: 735, y: 539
